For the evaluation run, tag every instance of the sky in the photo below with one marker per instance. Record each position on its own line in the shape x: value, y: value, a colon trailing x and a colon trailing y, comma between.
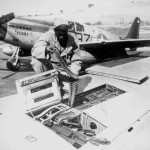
x: 77, y: 8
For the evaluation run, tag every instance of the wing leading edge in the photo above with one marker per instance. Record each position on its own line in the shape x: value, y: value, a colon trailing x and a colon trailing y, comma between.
x: 112, y: 48
x: 116, y: 44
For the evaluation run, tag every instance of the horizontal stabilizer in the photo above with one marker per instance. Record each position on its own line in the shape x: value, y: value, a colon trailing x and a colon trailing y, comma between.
x: 6, y: 18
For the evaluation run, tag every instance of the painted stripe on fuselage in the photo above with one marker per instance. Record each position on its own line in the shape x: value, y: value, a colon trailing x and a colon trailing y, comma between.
x: 30, y: 24
x: 26, y: 27
x: 42, y: 22
x: 23, y: 33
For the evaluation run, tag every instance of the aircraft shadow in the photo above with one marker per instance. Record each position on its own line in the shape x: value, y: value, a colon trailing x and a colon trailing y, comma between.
x: 25, y: 67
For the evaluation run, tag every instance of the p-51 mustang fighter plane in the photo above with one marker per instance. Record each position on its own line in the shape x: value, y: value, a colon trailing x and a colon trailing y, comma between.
x: 108, y: 108
x: 95, y: 44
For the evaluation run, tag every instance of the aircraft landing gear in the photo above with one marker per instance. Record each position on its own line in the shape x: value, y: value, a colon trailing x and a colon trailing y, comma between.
x: 13, y: 62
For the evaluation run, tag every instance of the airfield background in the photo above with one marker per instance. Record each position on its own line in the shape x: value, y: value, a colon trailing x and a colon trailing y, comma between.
x: 7, y: 83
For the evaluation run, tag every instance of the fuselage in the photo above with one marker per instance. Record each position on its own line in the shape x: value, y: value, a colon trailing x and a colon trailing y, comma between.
x: 25, y: 31
x: 94, y: 43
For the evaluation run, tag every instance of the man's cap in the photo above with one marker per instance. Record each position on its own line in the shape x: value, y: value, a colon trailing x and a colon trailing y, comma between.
x: 61, y: 25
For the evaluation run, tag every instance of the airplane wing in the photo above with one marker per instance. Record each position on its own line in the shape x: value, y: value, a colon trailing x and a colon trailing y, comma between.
x: 116, y: 44
x: 112, y: 48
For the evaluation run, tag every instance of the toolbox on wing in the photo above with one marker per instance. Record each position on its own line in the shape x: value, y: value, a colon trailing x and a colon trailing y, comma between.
x: 40, y: 90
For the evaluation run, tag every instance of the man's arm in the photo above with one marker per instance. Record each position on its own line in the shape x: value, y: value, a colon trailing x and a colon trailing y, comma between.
x: 40, y: 47
x: 73, y: 44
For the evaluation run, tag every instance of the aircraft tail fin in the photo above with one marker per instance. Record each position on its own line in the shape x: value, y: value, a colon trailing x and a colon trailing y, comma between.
x: 6, y: 18
x: 134, y: 30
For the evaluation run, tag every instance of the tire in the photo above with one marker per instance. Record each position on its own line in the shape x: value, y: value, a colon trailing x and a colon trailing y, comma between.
x: 10, y: 64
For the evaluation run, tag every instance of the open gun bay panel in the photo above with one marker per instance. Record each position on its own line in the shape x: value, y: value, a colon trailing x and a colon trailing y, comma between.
x: 44, y: 102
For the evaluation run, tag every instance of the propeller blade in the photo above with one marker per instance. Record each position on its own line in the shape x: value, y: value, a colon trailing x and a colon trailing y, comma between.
x: 6, y: 18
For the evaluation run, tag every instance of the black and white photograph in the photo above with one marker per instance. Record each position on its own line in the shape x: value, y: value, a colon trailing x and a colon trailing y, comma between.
x: 74, y: 74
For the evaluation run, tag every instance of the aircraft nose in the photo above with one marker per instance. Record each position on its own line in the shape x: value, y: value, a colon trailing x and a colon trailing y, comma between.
x: 2, y: 33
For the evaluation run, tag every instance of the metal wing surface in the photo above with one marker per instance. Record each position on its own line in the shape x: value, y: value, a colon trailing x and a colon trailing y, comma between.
x: 116, y: 44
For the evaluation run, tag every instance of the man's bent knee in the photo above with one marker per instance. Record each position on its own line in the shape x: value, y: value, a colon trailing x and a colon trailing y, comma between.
x: 76, y: 67
x: 41, y: 65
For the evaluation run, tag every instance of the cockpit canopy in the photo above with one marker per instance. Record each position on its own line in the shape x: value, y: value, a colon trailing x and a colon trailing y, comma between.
x: 75, y: 27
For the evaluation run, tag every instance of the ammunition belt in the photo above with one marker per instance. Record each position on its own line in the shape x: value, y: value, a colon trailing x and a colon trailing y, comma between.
x: 75, y: 78
x: 73, y: 88
x: 67, y: 115
x: 64, y: 66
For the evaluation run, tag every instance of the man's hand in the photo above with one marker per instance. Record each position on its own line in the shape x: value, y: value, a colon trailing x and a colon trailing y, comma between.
x: 50, y: 49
